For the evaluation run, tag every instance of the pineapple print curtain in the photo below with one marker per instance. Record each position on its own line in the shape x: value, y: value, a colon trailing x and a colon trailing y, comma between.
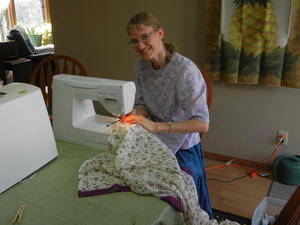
x: 254, y: 41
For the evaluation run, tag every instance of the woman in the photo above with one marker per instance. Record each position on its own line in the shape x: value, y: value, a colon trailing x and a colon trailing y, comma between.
x: 170, y: 99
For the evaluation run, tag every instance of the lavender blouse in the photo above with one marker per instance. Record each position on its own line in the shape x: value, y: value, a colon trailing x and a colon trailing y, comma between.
x: 174, y: 93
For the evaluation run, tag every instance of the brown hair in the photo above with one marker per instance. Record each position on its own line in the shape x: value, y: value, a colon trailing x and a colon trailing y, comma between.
x: 148, y: 19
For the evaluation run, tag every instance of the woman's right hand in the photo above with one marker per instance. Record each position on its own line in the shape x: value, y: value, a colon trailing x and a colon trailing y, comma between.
x: 141, y: 120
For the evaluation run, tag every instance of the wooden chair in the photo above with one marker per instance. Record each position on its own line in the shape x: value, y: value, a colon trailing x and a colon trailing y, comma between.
x: 209, y: 91
x: 42, y: 75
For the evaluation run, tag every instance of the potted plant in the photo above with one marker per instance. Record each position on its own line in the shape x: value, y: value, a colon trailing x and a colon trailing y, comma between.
x: 47, y: 34
x: 35, y: 36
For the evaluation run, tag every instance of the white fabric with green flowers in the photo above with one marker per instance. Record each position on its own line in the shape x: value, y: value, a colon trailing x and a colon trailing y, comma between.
x: 138, y: 160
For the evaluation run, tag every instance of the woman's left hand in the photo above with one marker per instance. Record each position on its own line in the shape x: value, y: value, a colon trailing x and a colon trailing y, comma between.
x: 141, y: 120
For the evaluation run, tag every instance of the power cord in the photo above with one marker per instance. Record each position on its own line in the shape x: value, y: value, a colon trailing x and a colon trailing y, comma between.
x: 227, y: 181
x: 253, y: 172
x: 279, y: 143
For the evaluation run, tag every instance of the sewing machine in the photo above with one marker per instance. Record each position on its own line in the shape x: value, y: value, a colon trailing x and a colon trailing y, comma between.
x: 74, y: 116
x: 26, y: 138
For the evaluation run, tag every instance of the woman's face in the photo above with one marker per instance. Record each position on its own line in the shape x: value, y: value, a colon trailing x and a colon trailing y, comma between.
x: 146, y: 41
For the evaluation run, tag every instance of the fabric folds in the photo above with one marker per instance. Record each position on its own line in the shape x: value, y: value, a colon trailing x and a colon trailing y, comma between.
x: 138, y: 161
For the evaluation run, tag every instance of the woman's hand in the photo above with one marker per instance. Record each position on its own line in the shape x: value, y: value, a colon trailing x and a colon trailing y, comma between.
x: 141, y: 120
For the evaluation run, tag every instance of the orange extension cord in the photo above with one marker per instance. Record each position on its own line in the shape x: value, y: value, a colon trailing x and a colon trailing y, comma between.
x: 253, y: 172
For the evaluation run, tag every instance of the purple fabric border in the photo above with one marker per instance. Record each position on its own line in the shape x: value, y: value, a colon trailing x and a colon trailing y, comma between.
x: 113, y: 188
x: 185, y: 169
x: 118, y: 188
x: 174, y: 202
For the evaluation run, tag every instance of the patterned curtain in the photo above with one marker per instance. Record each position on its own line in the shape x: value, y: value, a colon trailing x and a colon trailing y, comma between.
x: 253, y: 41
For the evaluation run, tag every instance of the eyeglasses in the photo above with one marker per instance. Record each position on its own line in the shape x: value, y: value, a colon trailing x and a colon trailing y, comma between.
x: 144, y: 38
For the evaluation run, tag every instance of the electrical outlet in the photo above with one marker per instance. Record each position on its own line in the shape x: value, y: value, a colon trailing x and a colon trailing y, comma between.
x: 286, y: 135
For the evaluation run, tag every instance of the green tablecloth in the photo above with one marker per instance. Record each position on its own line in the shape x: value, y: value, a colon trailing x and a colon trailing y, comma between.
x: 50, y: 196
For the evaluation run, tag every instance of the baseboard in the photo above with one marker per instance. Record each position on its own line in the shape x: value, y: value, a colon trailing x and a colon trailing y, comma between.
x: 245, y: 162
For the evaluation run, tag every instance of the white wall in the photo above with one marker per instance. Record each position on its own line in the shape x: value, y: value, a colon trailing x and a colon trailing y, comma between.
x: 245, y: 120
x: 95, y: 31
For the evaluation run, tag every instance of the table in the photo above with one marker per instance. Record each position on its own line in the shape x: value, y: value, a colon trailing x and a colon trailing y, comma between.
x: 50, y: 196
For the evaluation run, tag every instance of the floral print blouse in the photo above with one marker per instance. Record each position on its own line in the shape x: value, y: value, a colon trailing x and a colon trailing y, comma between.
x: 174, y: 93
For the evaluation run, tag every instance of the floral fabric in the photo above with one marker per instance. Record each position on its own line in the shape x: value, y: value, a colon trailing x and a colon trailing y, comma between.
x: 138, y: 161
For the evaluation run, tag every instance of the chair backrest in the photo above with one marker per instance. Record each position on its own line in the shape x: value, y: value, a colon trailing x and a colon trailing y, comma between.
x: 42, y: 75
x: 209, y: 91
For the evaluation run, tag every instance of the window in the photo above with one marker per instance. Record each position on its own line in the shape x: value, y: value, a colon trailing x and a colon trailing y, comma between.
x: 3, y: 18
x: 33, y: 15
x: 24, y: 15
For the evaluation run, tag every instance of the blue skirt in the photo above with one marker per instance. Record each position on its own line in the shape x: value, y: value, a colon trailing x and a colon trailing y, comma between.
x: 192, y: 160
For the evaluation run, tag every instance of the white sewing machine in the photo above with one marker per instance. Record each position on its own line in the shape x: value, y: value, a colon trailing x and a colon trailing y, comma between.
x: 26, y: 138
x: 74, y: 116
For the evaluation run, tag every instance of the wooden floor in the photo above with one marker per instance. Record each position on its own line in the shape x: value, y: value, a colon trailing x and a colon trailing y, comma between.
x: 239, y: 197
